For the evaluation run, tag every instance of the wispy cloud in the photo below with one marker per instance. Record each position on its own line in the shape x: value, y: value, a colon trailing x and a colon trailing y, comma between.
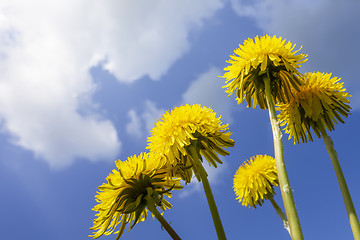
x: 151, y: 115
x: 133, y: 128
x: 140, y: 125
x: 207, y: 90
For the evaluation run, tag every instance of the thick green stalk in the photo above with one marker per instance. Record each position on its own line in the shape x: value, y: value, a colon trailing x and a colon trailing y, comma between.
x: 151, y: 206
x: 286, y: 191
x: 281, y: 215
x: 209, y: 196
x: 354, y: 221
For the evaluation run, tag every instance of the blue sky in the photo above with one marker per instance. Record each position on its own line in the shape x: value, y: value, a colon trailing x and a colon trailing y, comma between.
x: 82, y: 82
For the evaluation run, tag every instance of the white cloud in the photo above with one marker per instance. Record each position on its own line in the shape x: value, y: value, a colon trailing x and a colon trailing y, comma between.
x: 325, y: 28
x: 150, y: 115
x: 147, y: 119
x: 207, y: 90
x: 42, y: 85
x: 47, y: 49
x: 133, y: 128
x: 156, y: 36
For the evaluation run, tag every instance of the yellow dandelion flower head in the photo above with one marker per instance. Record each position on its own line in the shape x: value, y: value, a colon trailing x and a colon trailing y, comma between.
x: 121, y: 200
x: 259, y: 58
x: 254, y: 181
x: 184, y: 126
x: 321, y: 98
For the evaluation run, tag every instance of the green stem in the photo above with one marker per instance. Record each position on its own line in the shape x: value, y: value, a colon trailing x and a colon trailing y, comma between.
x: 354, y: 221
x: 212, y: 205
x: 281, y: 215
x: 286, y: 191
x: 151, y: 206
x: 209, y: 196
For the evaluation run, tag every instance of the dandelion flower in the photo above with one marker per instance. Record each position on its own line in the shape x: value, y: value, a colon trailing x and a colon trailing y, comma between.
x: 254, y: 181
x: 123, y: 198
x: 321, y: 98
x: 260, y: 58
x: 185, y: 128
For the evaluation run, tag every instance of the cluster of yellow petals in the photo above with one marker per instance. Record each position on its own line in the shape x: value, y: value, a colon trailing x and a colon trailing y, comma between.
x: 255, y: 179
x: 182, y: 126
x: 321, y: 98
x: 121, y: 198
x: 267, y: 56
x: 177, y: 128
